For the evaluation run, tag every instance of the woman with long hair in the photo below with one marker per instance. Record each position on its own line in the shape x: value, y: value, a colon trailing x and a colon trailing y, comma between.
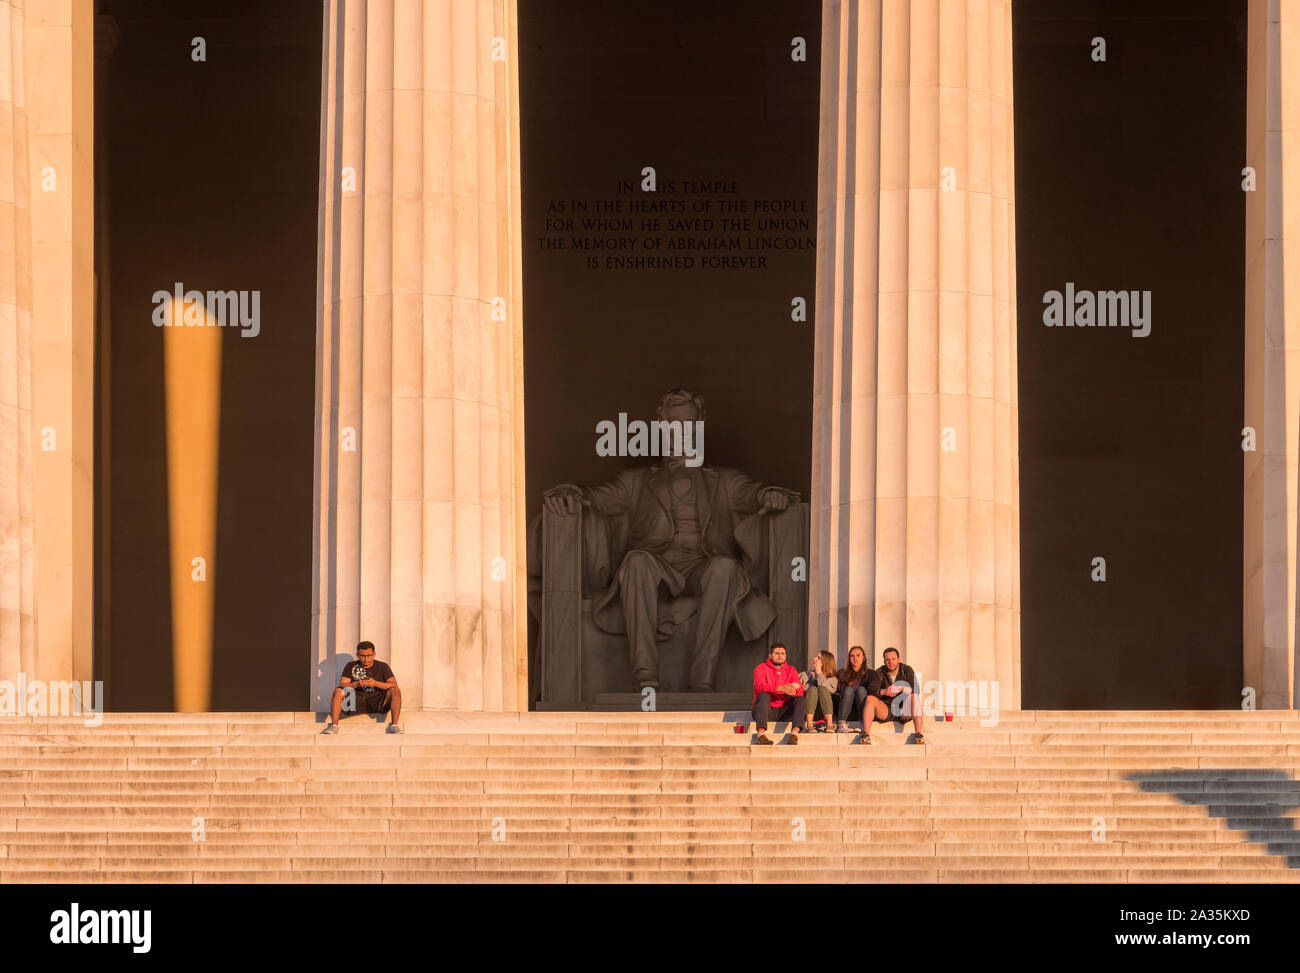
x: 820, y: 684
x: 857, y: 688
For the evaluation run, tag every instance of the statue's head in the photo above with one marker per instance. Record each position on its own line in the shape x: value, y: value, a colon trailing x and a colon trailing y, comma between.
x: 680, y: 405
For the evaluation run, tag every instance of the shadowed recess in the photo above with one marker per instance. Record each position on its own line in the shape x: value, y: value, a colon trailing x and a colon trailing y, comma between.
x: 1257, y: 802
x: 206, y: 432
x: 1130, y: 448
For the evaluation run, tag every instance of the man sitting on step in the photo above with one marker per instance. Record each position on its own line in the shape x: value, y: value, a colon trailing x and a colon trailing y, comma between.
x: 373, y: 689
x: 896, y: 699
x: 778, y: 695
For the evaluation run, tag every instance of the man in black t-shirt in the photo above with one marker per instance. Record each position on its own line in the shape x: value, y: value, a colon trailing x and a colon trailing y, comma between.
x: 373, y: 688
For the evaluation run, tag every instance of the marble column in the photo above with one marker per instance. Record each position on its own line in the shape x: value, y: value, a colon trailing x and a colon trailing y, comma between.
x: 1272, y: 379
x: 46, y: 333
x: 419, y: 518
x: 915, y: 524
x: 17, y: 519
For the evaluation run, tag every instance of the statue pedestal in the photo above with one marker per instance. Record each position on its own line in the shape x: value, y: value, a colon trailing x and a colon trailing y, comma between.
x: 664, y: 703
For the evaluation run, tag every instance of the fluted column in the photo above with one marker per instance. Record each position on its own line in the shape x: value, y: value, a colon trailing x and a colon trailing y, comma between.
x: 46, y: 337
x: 1272, y: 379
x: 915, y: 531
x: 17, y: 520
x: 419, y: 379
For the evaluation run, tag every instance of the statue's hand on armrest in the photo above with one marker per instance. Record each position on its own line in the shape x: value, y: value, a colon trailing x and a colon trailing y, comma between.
x: 565, y: 499
x: 775, y: 499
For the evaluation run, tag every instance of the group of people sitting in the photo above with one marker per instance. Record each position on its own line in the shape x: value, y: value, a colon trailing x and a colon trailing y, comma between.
x: 783, y: 694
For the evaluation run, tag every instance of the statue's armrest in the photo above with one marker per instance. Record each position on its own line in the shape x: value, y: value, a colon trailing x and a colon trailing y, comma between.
x: 562, y: 606
x: 788, y: 579
x: 561, y: 551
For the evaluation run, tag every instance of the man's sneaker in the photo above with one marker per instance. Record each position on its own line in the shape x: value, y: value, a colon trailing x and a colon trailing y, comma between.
x: 794, y: 740
x: 763, y: 741
x: 331, y: 728
x: 394, y: 728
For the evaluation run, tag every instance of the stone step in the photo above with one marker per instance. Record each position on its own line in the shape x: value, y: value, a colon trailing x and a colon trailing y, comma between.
x: 956, y: 841
x: 1045, y: 854
x: 656, y: 723
x: 542, y: 716
x: 646, y: 859
x: 697, y: 744
x: 656, y: 876
x: 1188, y: 775
x: 972, y: 733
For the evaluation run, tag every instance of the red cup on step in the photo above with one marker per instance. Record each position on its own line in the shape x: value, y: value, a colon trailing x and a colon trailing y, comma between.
x: 948, y: 717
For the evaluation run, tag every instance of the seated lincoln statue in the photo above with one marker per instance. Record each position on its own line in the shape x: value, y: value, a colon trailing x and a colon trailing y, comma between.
x: 681, y: 528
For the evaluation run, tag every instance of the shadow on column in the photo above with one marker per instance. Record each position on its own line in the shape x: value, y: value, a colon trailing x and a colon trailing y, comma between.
x: 1254, y: 801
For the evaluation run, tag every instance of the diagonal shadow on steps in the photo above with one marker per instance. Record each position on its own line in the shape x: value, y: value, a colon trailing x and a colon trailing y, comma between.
x: 1253, y: 801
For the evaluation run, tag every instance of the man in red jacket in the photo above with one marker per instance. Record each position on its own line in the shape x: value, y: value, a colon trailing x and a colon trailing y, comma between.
x: 778, y: 695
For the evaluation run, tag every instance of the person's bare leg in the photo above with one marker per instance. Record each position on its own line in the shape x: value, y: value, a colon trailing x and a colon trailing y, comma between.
x: 336, y: 704
x: 912, y: 708
x: 395, y: 701
x: 916, y: 716
x: 873, y: 707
